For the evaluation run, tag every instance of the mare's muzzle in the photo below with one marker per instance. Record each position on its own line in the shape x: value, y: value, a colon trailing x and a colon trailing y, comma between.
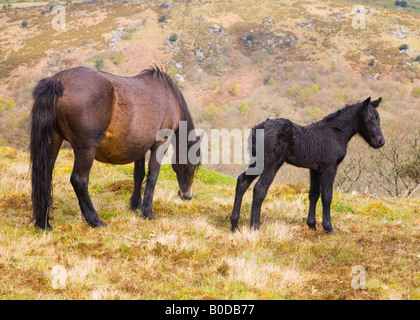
x: 185, y: 195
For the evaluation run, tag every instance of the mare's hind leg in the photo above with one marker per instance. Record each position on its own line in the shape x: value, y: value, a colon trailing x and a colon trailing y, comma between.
x: 314, y: 193
x: 243, y: 183
x: 83, y: 160
x: 152, y: 175
x: 260, y: 192
x: 139, y: 172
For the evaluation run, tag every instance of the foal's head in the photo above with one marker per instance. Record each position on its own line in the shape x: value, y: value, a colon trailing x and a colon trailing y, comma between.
x: 369, y: 123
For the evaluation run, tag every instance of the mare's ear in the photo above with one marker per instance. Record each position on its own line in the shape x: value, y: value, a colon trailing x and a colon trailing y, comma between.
x: 376, y: 102
x: 366, y: 103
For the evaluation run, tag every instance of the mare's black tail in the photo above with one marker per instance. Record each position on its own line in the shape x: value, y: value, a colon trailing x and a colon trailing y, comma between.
x: 46, y: 94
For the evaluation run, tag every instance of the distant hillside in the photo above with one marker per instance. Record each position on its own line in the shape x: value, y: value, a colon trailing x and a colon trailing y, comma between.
x: 238, y: 63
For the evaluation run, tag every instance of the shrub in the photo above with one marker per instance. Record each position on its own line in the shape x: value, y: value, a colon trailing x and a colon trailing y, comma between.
x: 294, y: 89
x: 8, y: 104
x: 416, y: 92
x: 214, y: 112
x: 269, y: 80
x: 24, y: 24
x: 173, y: 37
x: 315, y: 113
x: 340, y: 95
x: 250, y: 37
x: 372, y: 62
x: 417, y: 59
x: 162, y: 18
x: 99, y: 64
x: 243, y: 107
x: 43, y: 12
x: 235, y: 88
x: 315, y: 88
x: 173, y: 72
x: 403, y: 47
x: 118, y: 60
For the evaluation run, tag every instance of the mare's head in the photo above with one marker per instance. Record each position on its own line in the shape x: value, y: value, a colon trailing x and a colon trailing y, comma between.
x: 369, y: 123
x: 185, y: 175
x: 186, y: 168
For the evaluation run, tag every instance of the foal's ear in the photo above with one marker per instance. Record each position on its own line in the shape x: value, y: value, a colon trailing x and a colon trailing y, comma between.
x: 376, y: 102
x: 366, y: 103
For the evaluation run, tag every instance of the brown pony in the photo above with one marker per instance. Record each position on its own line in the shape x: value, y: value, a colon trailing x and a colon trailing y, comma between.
x: 112, y: 119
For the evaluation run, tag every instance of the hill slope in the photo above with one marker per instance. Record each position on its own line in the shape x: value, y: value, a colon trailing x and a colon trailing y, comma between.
x: 189, y: 252
x: 238, y: 63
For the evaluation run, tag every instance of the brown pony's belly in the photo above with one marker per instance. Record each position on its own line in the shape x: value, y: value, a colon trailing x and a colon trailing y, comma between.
x: 120, y: 151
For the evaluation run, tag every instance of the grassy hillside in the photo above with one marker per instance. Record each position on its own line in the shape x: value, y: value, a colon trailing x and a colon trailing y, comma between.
x: 238, y: 63
x: 189, y: 252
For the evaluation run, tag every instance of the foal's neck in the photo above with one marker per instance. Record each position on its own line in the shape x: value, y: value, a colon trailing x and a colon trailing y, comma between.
x: 346, y: 120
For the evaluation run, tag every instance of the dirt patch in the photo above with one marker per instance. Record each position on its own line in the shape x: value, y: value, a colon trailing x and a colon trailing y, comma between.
x: 119, y: 187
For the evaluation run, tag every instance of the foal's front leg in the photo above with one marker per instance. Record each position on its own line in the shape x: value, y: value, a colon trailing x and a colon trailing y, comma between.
x: 243, y: 183
x: 314, y: 193
x: 327, y: 182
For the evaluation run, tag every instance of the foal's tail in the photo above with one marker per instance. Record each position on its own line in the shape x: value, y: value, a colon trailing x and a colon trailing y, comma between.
x: 46, y: 94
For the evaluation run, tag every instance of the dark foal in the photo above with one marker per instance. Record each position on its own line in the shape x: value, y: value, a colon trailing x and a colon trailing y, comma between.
x: 320, y: 147
x: 109, y: 118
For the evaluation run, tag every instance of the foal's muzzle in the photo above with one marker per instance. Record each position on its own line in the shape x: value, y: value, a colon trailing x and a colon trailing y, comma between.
x: 378, y: 142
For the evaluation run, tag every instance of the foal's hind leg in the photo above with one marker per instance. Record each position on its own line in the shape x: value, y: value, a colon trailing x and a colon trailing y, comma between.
x: 139, y: 172
x: 260, y: 192
x: 83, y: 160
x: 243, y: 183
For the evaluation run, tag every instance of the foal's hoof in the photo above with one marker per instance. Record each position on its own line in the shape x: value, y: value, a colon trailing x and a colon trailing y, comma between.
x: 312, y: 226
x: 330, y: 232
x: 149, y: 216
x: 46, y: 227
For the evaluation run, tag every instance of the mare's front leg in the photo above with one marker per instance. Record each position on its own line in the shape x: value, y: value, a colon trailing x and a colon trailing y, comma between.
x: 327, y: 182
x: 152, y: 175
x: 314, y: 193
x: 243, y: 183
x: 83, y: 160
x: 139, y: 173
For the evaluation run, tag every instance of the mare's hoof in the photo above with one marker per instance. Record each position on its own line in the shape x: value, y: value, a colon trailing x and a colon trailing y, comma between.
x: 97, y: 223
x: 330, y: 232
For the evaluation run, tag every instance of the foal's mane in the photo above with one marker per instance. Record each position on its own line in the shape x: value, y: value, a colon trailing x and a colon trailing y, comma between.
x: 340, y: 112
